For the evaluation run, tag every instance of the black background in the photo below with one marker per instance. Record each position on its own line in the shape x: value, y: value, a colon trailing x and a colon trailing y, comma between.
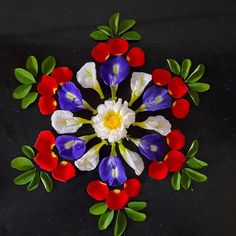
x: 201, y: 30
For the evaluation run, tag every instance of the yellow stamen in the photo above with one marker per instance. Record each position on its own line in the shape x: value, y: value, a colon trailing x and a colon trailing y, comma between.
x: 116, y: 190
x: 112, y: 120
x: 64, y: 163
x: 153, y: 148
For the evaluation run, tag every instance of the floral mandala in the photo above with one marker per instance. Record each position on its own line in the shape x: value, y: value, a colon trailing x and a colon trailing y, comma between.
x: 66, y: 154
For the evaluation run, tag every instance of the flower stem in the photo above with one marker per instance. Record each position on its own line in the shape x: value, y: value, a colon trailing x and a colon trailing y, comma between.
x: 99, y: 145
x: 140, y: 124
x: 113, y: 149
x: 132, y: 99
x: 88, y: 137
x: 140, y: 109
x: 83, y: 121
x: 88, y: 107
x: 99, y: 91
x: 113, y: 92
x: 136, y: 141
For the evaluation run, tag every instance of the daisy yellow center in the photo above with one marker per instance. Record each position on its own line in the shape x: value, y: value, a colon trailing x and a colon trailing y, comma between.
x: 112, y: 120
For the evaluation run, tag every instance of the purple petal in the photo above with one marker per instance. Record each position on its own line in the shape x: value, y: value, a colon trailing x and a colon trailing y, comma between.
x: 112, y: 171
x: 70, y: 98
x: 114, y: 70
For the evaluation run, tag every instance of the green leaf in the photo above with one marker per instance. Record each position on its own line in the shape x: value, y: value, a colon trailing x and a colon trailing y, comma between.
x: 114, y: 22
x: 28, y: 151
x: 199, y: 87
x: 98, y: 35
x: 28, y: 99
x: 121, y: 223
x: 126, y: 25
x: 47, y: 181
x: 196, y: 163
x: 22, y: 163
x: 194, y: 96
x: 32, y: 65
x: 186, y: 64
x: 175, y: 181
x: 21, y: 91
x: 185, y: 180
x: 98, y: 208
x: 105, y: 29
x: 195, y: 175
x: 132, y: 35
x: 135, y: 215
x: 24, y: 178
x: 48, y: 65
x: 34, y: 182
x: 24, y: 76
x: 197, y: 74
x: 137, y: 206
x: 174, y: 66
x: 193, y: 149
x: 105, y: 220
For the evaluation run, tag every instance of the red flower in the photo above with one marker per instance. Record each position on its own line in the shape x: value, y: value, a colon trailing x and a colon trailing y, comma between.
x: 161, y: 76
x: 132, y: 187
x: 45, y: 141
x: 98, y: 190
x: 175, y: 139
x: 117, y: 199
x: 158, y: 170
x: 181, y: 108
x: 62, y: 74
x: 47, y: 86
x: 64, y: 171
x: 47, y: 105
x: 118, y: 46
x: 174, y: 160
x: 177, y: 87
x: 101, y: 52
x: 47, y: 160
x: 136, y: 57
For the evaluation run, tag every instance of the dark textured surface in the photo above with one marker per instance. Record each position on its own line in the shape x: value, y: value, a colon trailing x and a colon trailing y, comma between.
x: 201, y: 30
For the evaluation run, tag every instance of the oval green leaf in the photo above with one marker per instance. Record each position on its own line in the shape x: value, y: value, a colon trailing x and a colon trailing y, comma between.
x: 22, y: 163
x: 197, y: 74
x: 34, y: 182
x: 194, y: 96
x: 126, y: 25
x: 24, y: 76
x: 185, y: 180
x: 174, y: 66
x: 186, y: 65
x: 105, y: 220
x: 32, y: 65
x: 48, y: 65
x: 135, y: 215
x: 28, y: 151
x: 193, y: 149
x: 24, y: 178
x: 132, y: 35
x: 21, y: 91
x: 28, y: 99
x: 195, y: 175
x: 114, y: 22
x: 121, y: 223
x: 98, y: 208
x: 105, y: 29
x: 199, y: 87
x: 196, y: 163
x: 137, y: 206
x: 98, y: 35
x: 175, y: 181
x: 47, y: 181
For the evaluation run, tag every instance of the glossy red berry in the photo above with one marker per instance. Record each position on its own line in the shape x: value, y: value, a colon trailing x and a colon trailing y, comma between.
x: 157, y: 170
x: 181, y: 108
x: 101, y: 52
x: 118, y: 46
x: 136, y: 57
x: 175, y: 139
x: 177, y: 87
x: 161, y: 77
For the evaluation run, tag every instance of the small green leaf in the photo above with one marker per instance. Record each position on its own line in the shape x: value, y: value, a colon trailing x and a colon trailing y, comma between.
x: 28, y: 151
x: 126, y: 25
x: 98, y: 208
x: 98, y: 35
x: 22, y: 163
x: 197, y: 74
x: 135, y: 215
x: 199, y: 87
x: 121, y: 223
x: 174, y: 66
x: 194, y: 96
x: 132, y: 35
x: 196, y: 163
x: 32, y: 65
x: 34, y: 182
x: 186, y: 64
x: 195, y: 175
x: 185, y: 180
x: 24, y: 178
x: 21, y: 91
x: 48, y: 65
x: 193, y: 149
x: 28, y: 99
x: 24, y: 76
x: 105, y: 29
x: 175, y: 181
x: 114, y: 22
x: 105, y: 220
x: 137, y: 206
x: 47, y: 181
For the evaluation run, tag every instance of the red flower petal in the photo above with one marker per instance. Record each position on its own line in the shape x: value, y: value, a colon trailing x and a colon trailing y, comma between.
x: 47, y: 105
x: 47, y: 86
x: 181, y: 108
x: 174, y: 160
x: 98, y: 190
x: 157, y: 170
x: 118, y: 46
x: 62, y: 74
x: 136, y: 57
x: 64, y: 171
x: 47, y: 160
x: 177, y: 87
x: 161, y: 76
x: 132, y: 187
x: 45, y: 141
x: 117, y: 199
x: 175, y: 139
x: 101, y: 52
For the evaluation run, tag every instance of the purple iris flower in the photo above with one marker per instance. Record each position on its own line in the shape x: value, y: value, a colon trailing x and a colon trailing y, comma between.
x: 114, y: 70
x: 70, y: 147
x: 70, y: 97
x: 112, y: 171
x: 152, y: 146
x: 156, y: 98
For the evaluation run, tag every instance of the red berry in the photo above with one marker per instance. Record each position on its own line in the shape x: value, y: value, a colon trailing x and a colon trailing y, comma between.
x: 175, y: 139
x: 98, y: 190
x: 64, y: 171
x: 136, y: 57
x: 46, y: 160
x: 161, y: 76
x: 47, y: 105
x: 118, y: 46
x: 177, y: 87
x: 101, y: 52
x: 117, y: 199
x: 62, y: 74
x: 174, y: 160
x: 47, y: 86
x: 181, y: 108
x: 45, y: 141
x: 132, y: 187
x: 157, y: 170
